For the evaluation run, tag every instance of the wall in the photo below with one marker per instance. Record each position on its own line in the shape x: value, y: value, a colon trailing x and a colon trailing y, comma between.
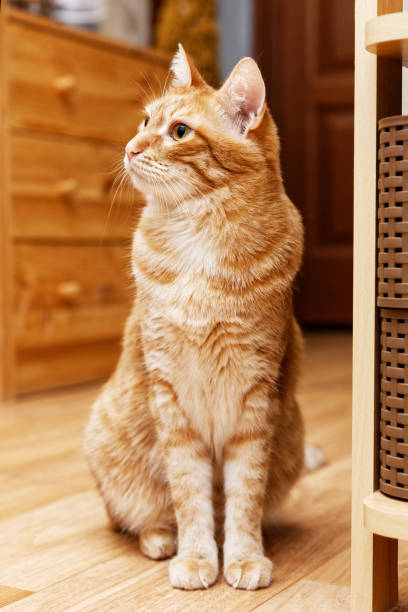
x: 235, y: 19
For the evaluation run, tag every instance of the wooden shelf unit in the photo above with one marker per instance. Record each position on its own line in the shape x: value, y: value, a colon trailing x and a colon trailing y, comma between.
x: 381, y: 41
x: 387, y: 35
x: 386, y: 516
x: 69, y: 102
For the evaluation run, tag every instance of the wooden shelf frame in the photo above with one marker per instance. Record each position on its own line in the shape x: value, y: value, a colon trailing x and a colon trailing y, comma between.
x: 386, y: 516
x: 374, y: 576
x: 387, y: 35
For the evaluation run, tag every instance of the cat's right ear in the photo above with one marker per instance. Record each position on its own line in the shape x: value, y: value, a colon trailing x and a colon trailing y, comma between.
x: 184, y: 72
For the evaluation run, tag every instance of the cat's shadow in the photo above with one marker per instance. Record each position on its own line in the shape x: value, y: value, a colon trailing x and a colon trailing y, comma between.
x: 282, y: 536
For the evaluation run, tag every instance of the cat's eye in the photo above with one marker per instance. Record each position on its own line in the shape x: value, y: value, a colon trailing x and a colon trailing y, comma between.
x: 179, y: 131
x: 146, y: 121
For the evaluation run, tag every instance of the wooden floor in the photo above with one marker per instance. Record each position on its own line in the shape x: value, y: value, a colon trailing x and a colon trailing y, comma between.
x: 57, y: 553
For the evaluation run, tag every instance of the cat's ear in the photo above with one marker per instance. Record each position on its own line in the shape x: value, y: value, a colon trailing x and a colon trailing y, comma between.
x: 242, y: 97
x: 184, y: 71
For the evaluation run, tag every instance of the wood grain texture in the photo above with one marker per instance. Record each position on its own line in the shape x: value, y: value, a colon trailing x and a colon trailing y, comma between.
x: 326, y: 588
x: 389, y: 6
x: 377, y: 93
x: 403, y: 574
x: 386, y: 516
x: 364, y: 308
x: 70, y: 305
x: 313, y: 109
x: 69, y: 189
x: 87, y: 90
x: 61, y: 366
x: 69, y: 101
x: 55, y: 527
x: 69, y: 293
x: 387, y: 35
x: 113, y: 45
x: 385, y: 573
x: 6, y: 263
x: 9, y: 595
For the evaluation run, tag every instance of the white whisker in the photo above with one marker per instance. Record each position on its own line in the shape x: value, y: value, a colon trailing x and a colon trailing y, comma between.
x: 123, y: 177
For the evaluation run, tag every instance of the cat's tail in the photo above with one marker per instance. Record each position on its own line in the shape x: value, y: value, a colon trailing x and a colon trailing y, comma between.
x: 314, y: 458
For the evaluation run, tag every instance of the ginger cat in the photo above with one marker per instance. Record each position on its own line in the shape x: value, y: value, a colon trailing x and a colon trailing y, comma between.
x: 199, y: 423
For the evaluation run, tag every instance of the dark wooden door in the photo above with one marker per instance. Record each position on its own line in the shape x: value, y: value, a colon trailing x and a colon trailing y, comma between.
x: 305, y: 49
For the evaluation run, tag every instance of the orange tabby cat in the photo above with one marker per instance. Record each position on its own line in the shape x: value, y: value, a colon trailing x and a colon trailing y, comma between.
x: 199, y: 422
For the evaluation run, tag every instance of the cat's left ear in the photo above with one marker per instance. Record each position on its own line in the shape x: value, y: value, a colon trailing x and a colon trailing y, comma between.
x: 242, y: 97
x: 184, y: 71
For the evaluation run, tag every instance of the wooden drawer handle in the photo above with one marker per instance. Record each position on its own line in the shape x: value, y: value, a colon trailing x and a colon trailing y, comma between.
x: 69, y: 289
x: 67, y: 188
x: 65, y: 84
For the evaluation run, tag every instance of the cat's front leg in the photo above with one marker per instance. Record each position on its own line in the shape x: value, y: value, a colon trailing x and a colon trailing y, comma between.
x: 189, y: 471
x: 245, y: 477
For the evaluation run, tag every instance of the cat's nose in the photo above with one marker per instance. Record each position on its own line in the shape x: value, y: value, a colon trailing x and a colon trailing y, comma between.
x: 131, y: 152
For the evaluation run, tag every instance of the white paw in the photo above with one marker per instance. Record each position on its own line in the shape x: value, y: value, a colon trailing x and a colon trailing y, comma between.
x: 251, y: 572
x: 192, y: 573
x: 157, y: 543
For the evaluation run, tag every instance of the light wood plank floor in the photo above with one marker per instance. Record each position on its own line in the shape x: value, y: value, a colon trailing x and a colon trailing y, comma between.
x: 57, y: 553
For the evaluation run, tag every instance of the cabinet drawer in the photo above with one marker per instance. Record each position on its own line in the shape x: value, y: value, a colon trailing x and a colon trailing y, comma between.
x: 69, y: 84
x: 64, y: 188
x: 51, y: 367
x: 70, y: 294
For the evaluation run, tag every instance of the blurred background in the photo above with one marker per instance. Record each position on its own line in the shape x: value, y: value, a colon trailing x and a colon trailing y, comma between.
x: 74, y: 74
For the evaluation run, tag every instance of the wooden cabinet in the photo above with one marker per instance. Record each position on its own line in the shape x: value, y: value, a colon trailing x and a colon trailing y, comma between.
x: 70, y: 101
x: 65, y: 83
x: 64, y: 188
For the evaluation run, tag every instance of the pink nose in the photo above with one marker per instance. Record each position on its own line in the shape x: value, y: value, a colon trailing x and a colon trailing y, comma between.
x: 131, y: 153
x: 132, y: 149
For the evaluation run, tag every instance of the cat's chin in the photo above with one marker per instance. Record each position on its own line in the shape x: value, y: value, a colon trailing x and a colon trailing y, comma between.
x: 138, y: 181
x: 150, y: 193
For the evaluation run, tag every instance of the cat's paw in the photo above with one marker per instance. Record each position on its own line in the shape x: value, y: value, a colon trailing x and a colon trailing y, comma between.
x: 251, y: 572
x: 157, y: 543
x: 192, y: 573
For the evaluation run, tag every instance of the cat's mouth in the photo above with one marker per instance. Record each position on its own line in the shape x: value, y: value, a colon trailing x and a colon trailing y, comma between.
x: 142, y: 170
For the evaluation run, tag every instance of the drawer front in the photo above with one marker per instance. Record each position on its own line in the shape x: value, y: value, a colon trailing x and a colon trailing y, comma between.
x: 68, y: 294
x: 60, y: 83
x: 64, y: 188
x: 52, y: 367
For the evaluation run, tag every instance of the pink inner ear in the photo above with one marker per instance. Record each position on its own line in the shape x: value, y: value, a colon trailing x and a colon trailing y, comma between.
x: 243, y: 94
x: 248, y: 90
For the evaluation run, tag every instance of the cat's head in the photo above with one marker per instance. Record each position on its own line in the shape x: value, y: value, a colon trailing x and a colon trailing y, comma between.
x: 194, y: 138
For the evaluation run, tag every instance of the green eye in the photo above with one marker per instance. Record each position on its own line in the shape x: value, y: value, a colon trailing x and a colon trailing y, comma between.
x: 180, y: 131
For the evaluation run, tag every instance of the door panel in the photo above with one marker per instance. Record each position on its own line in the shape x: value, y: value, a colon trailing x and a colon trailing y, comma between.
x: 306, y: 52
x: 334, y: 198
x: 336, y: 34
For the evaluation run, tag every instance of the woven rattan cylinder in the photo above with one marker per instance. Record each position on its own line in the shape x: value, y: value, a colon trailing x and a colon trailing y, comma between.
x: 393, y: 213
x: 394, y: 403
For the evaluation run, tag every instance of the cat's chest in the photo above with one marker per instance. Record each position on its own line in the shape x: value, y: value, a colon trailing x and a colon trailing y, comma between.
x: 211, y: 365
x: 206, y: 350
x: 214, y: 370
x: 175, y: 270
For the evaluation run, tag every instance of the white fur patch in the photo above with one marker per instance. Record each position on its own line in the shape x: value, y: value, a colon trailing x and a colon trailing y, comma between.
x: 181, y: 69
x: 314, y: 458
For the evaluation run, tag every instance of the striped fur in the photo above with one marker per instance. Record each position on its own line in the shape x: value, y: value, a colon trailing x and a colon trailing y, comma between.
x: 199, y: 424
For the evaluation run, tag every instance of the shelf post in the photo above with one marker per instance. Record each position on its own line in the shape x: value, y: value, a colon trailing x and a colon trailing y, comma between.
x: 374, y: 557
x: 364, y: 311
